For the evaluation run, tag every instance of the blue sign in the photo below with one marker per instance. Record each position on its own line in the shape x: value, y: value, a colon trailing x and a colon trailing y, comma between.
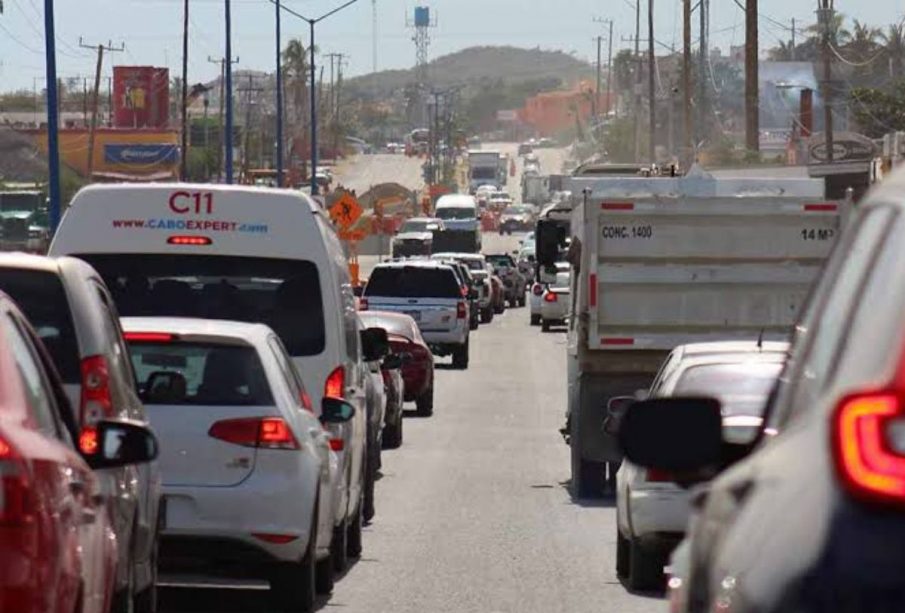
x: 141, y: 155
x: 422, y: 16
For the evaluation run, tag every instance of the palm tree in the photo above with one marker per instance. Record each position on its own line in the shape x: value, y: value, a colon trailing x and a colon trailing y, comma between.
x: 838, y: 34
x: 894, y: 42
x: 781, y: 53
x: 295, y: 69
x: 863, y: 42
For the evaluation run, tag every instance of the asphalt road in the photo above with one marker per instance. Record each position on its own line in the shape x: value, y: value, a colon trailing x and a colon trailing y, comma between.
x: 473, y: 511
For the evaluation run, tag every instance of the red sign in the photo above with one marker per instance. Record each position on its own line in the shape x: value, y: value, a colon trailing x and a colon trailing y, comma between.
x: 141, y: 97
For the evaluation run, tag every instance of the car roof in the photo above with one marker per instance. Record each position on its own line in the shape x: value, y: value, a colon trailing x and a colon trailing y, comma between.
x: 733, y: 347
x: 456, y: 200
x: 458, y: 256
x: 419, y: 263
x: 28, y: 261
x: 425, y: 219
x: 249, y: 333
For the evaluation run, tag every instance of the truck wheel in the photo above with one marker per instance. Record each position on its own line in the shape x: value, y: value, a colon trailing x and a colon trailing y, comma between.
x: 645, y: 568
x: 460, y: 356
x: 425, y: 402
x: 535, y: 320
x: 588, y: 477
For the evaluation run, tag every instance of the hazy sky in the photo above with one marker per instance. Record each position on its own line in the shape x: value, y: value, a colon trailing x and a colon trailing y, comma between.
x: 151, y: 30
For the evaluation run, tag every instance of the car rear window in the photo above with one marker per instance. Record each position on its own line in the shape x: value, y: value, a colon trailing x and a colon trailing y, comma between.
x: 453, y: 213
x: 284, y: 294
x: 208, y: 374
x: 42, y: 298
x: 741, y: 388
x: 413, y: 282
x: 393, y: 325
x: 501, y: 260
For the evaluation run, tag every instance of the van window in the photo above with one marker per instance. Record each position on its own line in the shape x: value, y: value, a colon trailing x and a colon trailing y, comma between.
x: 42, y: 298
x: 413, y: 282
x: 456, y: 212
x: 212, y: 375
x: 284, y: 294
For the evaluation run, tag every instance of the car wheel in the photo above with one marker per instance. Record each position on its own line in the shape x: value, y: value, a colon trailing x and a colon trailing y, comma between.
x: 353, y: 540
x: 323, y: 575
x: 425, y: 402
x: 474, y: 323
x: 535, y: 320
x: 146, y: 600
x: 545, y: 325
x: 487, y: 315
x: 460, y: 356
x: 368, y: 511
x: 339, y: 553
x: 622, y: 555
x: 124, y: 599
x: 500, y: 308
x: 521, y: 300
x: 392, y: 434
x: 645, y: 568
x: 293, y: 584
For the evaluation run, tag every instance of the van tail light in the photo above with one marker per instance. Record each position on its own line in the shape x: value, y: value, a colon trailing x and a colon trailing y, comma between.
x: 550, y: 297
x: 362, y: 304
x: 96, y: 402
x: 537, y: 289
x: 336, y: 383
x: 260, y: 432
x: 869, y: 446
x: 460, y: 310
x: 17, y: 505
x: 658, y: 476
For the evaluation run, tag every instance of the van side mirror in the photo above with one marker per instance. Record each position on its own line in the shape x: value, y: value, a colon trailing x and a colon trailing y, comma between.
x: 336, y: 411
x: 616, y: 409
x: 549, y: 236
x: 116, y: 443
x: 676, y: 435
x: 375, y: 344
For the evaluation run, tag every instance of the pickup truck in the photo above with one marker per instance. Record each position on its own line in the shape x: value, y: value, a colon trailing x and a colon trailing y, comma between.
x: 659, y: 262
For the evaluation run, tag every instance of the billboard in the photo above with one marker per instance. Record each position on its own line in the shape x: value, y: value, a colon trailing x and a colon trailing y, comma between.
x: 422, y: 16
x: 141, y: 97
x: 141, y: 154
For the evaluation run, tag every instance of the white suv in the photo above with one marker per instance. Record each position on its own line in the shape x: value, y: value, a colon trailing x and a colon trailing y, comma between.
x: 430, y: 294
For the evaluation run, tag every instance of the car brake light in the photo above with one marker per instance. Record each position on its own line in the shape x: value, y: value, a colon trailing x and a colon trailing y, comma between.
x: 336, y: 383
x: 96, y: 402
x: 149, y: 337
x: 16, y: 503
x: 189, y: 240
x: 337, y: 444
x: 869, y: 463
x: 363, y: 304
x: 658, y: 476
x: 260, y: 432
x: 460, y: 310
x: 537, y: 289
x: 88, y: 440
x: 550, y: 297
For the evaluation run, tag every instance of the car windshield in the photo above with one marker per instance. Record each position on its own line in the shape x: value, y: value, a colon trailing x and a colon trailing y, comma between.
x: 501, y: 260
x: 418, y: 226
x: 280, y: 293
x: 483, y: 172
x: 742, y: 388
x: 456, y: 212
x: 412, y: 282
x: 200, y: 374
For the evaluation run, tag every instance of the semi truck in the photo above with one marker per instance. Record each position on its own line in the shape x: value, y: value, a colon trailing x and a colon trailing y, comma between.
x: 484, y: 169
x: 659, y: 262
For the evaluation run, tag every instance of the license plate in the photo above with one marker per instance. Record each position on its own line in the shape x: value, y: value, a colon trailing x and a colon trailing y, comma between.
x: 416, y: 315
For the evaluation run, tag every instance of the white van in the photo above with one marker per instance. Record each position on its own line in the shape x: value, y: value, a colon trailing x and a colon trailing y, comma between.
x: 459, y: 213
x: 236, y: 253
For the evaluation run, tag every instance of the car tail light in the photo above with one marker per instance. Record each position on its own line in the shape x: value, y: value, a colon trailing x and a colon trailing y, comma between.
x: 362, y: 304
x: 336, y: 383
x: 550, y: 297
x: 658, y: 476
x: 17, y: 505
x: 337, y: 444
x: 460, y: 310
x: 869, y: 462
x: 189, y: 240
x: 96, y: 402
x: 537, y: 289
x: 260, y: 432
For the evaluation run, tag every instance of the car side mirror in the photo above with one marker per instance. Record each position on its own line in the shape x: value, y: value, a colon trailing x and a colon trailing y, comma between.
x: 375, y: 344
x: 336, y: 411
x: 616, y: 408
x: 392, y: 362
x: 548, y: 238
x: 115, y: 443
x: 681, y: 436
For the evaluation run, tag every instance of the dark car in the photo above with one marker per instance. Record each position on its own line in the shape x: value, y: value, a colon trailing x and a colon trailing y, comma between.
x: 391, y: 369
x: 811, y: 516
x: 513, y: 280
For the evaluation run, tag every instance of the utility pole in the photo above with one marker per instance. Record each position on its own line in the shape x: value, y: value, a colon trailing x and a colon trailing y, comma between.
x: 792, y: 50
x: 752, y: 123
x: 825, y: 18
x: 597, y: 96
x: 609, y: 70
x: 229, y: 92
x: 279, y: 86
x: 246, y: 145
x: 638, y: 71
x: 651, y: 91
x: 53, y: 124
x: 374, y: 36
x: 183, y: 158
x: 222, y: 63
x: 92, y: 132
x: 688, y: 127
x: 702, y: 123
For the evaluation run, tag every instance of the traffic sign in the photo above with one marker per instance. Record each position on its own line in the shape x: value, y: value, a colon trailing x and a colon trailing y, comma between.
x: 353, y: 235
x: 345, y: 211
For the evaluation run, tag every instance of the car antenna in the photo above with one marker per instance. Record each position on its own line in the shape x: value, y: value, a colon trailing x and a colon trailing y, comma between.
x: 760, y: 340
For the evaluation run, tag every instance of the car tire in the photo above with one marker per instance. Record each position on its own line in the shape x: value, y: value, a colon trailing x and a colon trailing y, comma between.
x: 146, y: 600
x: 474, y: 323
x: 425, y: 402
x: 521, y: 300
x: 294, y: 584
x: 323, y: 576
x: 487, y: 315
x: 545, y: 325
x: 535, y: 320
x: 353, y: 539
x: 622, y: 555
x: 588, y: 477
x: 500, y: 308
x: 460, y: 356
x: 392, y: 434
x: 339, y: 552
x: 645, y: 569
x: 124, y: 599
x: 368, y: 510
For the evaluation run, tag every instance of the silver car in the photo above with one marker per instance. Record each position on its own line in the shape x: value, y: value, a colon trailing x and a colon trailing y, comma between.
x: 73, y: 312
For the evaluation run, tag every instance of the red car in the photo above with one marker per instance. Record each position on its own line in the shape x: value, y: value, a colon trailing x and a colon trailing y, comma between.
x: 418, y: 365
x: 58, y: 550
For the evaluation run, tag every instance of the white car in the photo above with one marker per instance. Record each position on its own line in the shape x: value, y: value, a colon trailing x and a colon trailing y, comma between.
x: 536, y: 295
x: 249, y: 478
x: 652, y: 511
x: 554, y: 304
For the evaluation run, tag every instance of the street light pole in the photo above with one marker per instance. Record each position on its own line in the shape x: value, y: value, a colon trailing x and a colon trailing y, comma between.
x: 279, y: 152
x: 229, y: 96
x: 53, y: 121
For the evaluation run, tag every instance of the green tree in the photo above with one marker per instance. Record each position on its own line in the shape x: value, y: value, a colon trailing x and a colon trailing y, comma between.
x: 893, y: 40
x: 297, y: 74
x: 879, y: 111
